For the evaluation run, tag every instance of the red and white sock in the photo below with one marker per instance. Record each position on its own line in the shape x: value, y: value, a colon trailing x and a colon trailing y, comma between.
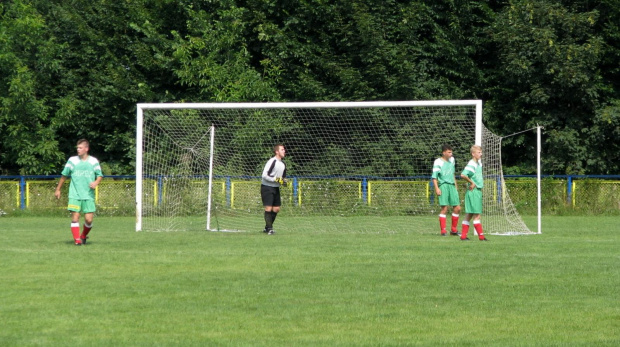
x: 86, y: 230
x: 464, y: 229
x: 442, y: 223
x: 75, y: 230
x: 478, y: 228
x: 455, y: 222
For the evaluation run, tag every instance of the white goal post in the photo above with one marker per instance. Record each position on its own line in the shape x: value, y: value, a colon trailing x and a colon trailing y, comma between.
x: 353, y: 166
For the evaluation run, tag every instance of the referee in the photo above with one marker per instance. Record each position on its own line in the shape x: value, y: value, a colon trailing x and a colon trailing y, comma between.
x: 274, y: 176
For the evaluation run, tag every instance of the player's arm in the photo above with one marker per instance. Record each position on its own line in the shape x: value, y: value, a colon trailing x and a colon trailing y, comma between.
x: 268, y: 171
x: 283, y: 180
x: 472, y: 185
x: 435, y: 174
x: 98, y: 177
x: 436, y: 185
x: 96, y: 182
x: 60, y: 183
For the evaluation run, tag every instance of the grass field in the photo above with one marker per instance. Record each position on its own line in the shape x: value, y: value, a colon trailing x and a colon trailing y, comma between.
x: 561, y: 288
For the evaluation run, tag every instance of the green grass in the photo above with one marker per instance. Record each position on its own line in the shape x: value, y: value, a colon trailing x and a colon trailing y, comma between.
x: 308, y: 288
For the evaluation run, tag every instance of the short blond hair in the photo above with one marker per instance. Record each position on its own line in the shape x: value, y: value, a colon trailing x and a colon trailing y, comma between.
x: 475, y: 148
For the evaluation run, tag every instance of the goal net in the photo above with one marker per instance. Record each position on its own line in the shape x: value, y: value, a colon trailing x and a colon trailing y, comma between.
x: 351, y: 166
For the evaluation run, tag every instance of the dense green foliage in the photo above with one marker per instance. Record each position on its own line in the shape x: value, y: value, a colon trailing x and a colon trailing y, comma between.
x: 72, y: 69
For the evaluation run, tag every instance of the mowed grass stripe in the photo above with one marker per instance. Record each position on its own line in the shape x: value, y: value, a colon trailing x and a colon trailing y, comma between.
x: 307, y: 288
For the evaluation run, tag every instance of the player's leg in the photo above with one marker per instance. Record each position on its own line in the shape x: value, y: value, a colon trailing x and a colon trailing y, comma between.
x: 75, y: 227
x: 478, y: 227
x: 88, y: 207
x: 473, y: 207
x: 468, y: 216
x: 465, y: 226
x: 268, y: 219
x: 442, y: 220
x: 476, y: 209
x: 456, y: 213
x: 275, y: 209
x: 274, y: 213
x: 75, y: 207
x: 267, y: 197
x: 456, y: 210
x: 444, y: 201
x: 88, y: 225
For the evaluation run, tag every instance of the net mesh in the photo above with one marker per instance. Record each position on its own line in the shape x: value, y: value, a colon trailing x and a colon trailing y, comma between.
x: 350, y: 169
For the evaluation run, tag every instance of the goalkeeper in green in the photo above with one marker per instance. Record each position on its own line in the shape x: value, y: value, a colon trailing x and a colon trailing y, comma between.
x: 85, y: 173
x: 445, y: 189
x: 274, y: 176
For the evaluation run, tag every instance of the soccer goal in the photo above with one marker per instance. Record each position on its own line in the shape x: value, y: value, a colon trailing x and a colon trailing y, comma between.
x: 352, y: 166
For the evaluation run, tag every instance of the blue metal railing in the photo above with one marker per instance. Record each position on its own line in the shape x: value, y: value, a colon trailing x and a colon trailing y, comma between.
x: 23, y: 179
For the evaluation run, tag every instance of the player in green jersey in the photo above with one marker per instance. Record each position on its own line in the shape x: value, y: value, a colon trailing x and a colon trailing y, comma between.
x: 473, y: 197
x: 85, y: 173
x: 445, y: 189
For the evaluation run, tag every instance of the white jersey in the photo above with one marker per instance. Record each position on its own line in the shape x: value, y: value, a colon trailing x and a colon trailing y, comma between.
x: 274, y: 168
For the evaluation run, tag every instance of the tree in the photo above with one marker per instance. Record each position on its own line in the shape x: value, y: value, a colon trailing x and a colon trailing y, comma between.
x: 546, y: 73
x: 212, y: 59
x: 28, y: 144
x: 100, y: 77
x: 72, y: 69
x: 369, y: 50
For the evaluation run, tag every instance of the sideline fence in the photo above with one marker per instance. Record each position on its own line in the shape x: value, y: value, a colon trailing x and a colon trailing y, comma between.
x: 116, y: 194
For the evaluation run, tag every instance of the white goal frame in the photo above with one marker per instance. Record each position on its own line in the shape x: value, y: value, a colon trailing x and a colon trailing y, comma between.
x: 141, y: 107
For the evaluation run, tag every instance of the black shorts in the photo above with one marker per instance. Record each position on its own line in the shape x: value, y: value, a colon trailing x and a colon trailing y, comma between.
x: 270, y: 195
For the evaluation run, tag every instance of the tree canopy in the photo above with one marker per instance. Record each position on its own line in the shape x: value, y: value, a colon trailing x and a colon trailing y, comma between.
x: 73, y: 69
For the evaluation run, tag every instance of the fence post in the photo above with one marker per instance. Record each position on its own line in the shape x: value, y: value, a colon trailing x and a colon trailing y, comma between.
x: 430, y: 192
x: 498, y: 185
x: 295, y: 186
x: 228, y: 191
x: 365, y: 190
x: 160, y: 190
x: 573, y: 201
x: 569, y: 189
x: 22, y: 192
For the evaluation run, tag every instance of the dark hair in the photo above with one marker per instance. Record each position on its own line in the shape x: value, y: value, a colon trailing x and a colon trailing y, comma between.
x: 276, y: 147
x: 446, y: 148
x: 83, y: 141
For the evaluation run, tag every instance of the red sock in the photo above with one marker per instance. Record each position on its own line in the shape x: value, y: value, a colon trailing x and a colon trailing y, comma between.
x: 464, y: 230
x: 86, y: 230
x: 75, y: 230
x: 455, y: 222
x: 442, y: 223
x: 478, y: 228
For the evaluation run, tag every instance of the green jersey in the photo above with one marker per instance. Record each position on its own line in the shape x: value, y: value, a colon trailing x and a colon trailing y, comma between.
x: 473, y: 170
x: 443, y: 171
x: 82, y: 173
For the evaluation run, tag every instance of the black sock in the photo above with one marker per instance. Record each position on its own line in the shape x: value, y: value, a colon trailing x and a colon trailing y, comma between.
x: 273, y: 216
x: 268, y: 220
